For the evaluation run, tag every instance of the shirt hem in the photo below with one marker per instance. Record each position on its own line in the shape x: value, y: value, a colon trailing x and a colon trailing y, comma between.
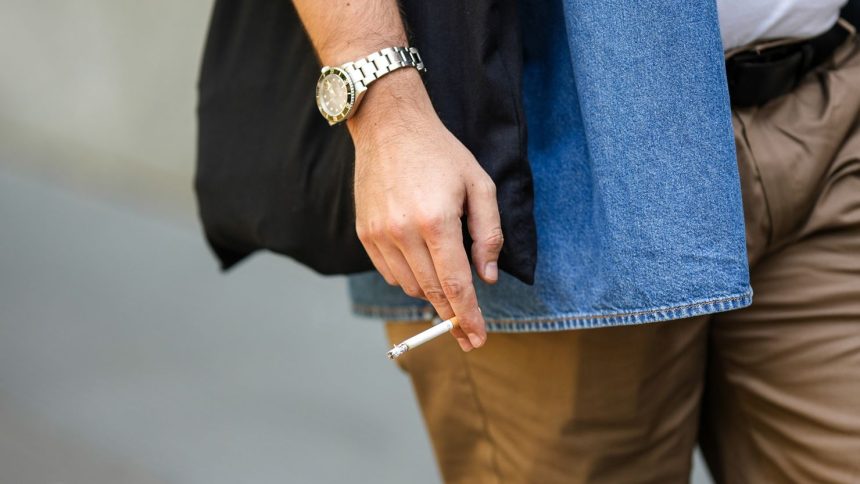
x: 562, y: 322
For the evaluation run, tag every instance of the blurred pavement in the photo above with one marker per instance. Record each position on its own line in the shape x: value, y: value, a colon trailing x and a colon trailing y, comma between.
x: 125, y: 357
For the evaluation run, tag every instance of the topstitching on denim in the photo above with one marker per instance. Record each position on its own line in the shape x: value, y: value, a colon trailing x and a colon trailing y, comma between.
x: 562, y: 322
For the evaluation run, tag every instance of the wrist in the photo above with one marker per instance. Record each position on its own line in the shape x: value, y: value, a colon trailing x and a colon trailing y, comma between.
x: 393, y: 103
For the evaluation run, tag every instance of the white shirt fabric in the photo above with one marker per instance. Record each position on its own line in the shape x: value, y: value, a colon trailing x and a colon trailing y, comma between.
x: 746, y: 21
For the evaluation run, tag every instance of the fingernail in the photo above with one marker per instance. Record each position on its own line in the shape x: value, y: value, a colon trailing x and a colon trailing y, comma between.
x: 491, y: 271
x: 475, y: 340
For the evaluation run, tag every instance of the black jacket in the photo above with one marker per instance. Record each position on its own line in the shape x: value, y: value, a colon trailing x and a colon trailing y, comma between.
x: 271, y: 174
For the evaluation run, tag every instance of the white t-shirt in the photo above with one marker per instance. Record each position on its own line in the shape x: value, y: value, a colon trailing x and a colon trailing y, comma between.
x: 745, y: 21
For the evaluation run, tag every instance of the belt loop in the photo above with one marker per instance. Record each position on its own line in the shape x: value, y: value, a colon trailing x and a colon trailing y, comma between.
x: 848, y: 26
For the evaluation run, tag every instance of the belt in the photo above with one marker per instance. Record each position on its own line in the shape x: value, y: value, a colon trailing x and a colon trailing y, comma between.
x: 759, y: 75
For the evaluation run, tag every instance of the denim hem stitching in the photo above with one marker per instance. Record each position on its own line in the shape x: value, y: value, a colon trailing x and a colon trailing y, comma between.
x: 569, y: 321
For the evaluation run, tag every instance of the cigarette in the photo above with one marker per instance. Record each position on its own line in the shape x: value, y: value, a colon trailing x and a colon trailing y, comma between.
x: 422, y: 337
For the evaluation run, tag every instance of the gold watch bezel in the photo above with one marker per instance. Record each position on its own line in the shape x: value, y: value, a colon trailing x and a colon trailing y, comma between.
x: 350, y: 94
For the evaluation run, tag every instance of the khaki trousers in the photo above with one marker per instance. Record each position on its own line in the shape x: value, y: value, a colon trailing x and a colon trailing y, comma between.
x: 771, y: 392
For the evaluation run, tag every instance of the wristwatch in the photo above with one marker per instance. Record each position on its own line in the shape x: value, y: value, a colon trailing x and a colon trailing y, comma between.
x: 340, y: 89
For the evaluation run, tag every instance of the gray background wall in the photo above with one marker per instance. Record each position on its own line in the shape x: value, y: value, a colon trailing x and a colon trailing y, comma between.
x: 125, y: 357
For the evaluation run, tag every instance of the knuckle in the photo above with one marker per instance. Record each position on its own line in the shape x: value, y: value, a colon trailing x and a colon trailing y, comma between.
x: 397, y: 230
x: 495, y: 239
x: 373, y: 230
x: 436, y: 296
x: 487, y: 187
x: 362, y: 233
x: 454, y: 288
x: 430, y: 223
x: 469, y: 324
x: 413, y: 291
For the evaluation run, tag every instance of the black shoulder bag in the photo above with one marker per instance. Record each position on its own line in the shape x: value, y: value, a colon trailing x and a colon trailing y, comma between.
x: 271, y: 174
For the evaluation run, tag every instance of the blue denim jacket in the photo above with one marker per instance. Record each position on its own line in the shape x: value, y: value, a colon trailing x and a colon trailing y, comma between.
x: 637, y: 196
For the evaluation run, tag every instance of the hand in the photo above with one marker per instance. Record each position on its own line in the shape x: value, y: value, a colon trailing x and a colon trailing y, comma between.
x: 413, y: 182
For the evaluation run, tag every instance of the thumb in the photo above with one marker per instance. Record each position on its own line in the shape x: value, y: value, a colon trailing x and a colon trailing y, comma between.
x: 485, y: 227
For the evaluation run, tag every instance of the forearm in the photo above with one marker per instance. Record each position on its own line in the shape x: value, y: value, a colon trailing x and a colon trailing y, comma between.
x: 346, y: 30
x: 414, y: 180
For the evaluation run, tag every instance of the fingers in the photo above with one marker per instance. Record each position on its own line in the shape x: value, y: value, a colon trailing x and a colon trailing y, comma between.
x: 400, y: 269
x: 444, y: 240
x: 379, y: 262
x: 389, y: 262
x: 462, y: 340
x: 425, y: 256
x: 418, y: 257
x: 430, y: 262
x: 485, y: 228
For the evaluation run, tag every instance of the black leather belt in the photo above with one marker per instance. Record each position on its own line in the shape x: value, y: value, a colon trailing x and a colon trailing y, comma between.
x: 758, y: 76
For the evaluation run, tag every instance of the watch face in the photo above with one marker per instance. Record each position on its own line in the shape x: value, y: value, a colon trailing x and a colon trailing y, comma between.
x: 335, y: 94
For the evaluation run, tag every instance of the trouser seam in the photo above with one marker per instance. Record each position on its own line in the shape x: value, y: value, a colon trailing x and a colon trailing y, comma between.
x: 485, y: 421
x: 769, y: 241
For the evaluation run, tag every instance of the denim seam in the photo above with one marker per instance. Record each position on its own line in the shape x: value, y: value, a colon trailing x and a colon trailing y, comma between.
x: 568, y: 321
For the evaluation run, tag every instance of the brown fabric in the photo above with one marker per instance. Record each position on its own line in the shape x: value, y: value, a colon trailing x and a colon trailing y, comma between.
x: 783, y: 389
x: 772, y: 392
x: 612, y: 405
